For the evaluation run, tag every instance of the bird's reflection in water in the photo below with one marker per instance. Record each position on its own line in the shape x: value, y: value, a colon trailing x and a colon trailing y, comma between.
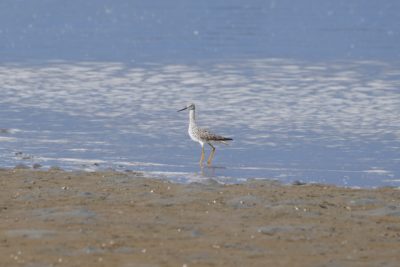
x: 210, y: 171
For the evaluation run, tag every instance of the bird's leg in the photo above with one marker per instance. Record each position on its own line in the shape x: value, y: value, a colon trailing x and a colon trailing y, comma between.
x: 210, y: 158
x: 202, y: 156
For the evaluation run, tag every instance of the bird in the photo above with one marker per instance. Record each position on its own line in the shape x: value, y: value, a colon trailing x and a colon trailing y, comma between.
x: 203, y: 136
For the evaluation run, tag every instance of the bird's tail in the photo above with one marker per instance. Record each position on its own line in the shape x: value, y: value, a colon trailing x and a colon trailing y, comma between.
x: 225, y: 139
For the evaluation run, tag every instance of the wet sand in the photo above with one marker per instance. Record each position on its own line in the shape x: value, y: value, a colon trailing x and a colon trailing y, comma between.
x: 56, y: 218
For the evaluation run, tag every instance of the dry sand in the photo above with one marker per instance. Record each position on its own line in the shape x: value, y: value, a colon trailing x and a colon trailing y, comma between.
x: 56, y: 218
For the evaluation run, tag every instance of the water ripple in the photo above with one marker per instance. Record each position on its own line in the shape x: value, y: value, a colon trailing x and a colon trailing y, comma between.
x: 269, y: 103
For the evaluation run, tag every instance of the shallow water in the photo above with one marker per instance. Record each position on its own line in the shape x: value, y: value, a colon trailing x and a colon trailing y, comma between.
x: 290, y: 120
x: 308, y: 92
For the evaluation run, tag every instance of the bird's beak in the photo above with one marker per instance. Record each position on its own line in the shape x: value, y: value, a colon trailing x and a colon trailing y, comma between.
x: 182, y: 109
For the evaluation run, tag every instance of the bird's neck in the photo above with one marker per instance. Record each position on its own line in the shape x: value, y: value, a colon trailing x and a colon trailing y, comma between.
x: 192, y: 120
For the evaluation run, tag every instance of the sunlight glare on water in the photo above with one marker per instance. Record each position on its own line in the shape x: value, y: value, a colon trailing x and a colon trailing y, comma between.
x: 290, y: 120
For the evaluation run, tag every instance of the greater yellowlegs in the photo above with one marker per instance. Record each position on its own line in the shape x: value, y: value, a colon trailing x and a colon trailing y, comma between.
x: 202, y: 136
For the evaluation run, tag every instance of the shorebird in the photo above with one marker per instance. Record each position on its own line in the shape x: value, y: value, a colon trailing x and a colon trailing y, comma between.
x: 202, y: 136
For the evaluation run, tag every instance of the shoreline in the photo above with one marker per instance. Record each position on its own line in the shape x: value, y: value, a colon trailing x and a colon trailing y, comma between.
x: 158, y: 176
x: 59, y: 218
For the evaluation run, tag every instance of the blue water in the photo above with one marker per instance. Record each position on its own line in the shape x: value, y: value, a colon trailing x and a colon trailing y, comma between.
x: 309, y: 90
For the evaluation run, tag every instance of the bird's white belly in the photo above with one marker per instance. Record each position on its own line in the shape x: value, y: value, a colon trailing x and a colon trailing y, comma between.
x: 193, y: 136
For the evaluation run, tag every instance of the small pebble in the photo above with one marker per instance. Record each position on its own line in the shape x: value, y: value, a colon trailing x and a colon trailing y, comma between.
x: 297, y: 182
x: 36, y: 166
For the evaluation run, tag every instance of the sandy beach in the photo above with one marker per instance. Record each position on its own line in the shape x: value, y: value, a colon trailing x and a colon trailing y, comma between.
x: 57, y: 218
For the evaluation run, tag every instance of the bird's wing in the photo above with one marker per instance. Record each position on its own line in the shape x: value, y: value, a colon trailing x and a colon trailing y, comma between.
x: 209, y: 136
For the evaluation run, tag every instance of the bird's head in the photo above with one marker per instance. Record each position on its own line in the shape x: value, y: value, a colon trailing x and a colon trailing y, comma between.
x: 189, y: 107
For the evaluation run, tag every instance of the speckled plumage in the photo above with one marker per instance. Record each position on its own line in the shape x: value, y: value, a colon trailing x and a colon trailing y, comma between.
x: 203, y: 136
